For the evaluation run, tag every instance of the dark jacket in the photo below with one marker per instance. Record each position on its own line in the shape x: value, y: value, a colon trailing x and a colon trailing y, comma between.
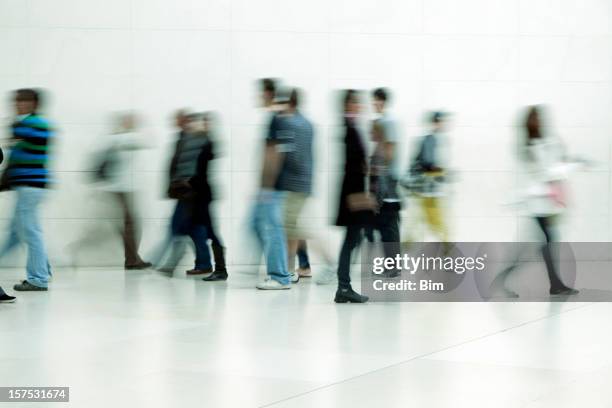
x: 354, y: 180
x: 174, y: 161
x: 203, y: 194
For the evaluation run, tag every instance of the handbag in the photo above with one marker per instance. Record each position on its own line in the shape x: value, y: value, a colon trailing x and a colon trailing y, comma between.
x: 180, y: 189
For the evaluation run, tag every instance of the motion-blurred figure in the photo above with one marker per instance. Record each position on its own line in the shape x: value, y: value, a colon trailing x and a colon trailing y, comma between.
x: 547, y: 170
x: 267, y: 216
x: 189, y: 217
x: 355, y: 203
x: 427, y: 177
x: 115, y: 174
x: 295, y: 178
x: 383, y: 175
x: 204, y: 197
x: 27, y: 174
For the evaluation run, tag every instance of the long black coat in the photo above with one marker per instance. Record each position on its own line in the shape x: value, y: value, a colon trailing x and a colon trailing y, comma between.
x: 354, y: 180
x: 203, y: 192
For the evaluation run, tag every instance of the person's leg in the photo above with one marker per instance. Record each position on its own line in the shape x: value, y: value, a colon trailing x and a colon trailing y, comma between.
x: 435, y: 218
x: 545, y: 224
x: 220, y: 272
x: 345, y: 293
x: 302, y: 255
x: 175, y: 241
x: 199, y: 236
x: 130, y: 242
x: 37, y: 267
x: 388, y: 226
x: 276, y: 244
x: 352, y: 239
x: 212, y: 235
x: 294, y: 204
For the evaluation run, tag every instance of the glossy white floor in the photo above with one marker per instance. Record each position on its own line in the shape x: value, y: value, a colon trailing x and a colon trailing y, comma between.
x: 139, y: 339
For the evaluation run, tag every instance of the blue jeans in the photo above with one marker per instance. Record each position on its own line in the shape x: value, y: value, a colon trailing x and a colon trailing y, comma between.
x: 267, y: 224
x: 25, y: 227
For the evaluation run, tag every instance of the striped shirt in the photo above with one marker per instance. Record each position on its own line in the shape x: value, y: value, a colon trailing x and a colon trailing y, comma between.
x: 28, y: 160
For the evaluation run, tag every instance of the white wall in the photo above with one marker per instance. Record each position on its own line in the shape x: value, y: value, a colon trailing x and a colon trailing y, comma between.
x: 481, y: 59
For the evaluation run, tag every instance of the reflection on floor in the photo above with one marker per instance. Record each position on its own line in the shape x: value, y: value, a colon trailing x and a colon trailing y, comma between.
x: 136, y: 339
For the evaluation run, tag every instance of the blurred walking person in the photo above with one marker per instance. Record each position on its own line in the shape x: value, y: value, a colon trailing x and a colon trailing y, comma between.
x: 267, y: 214
x: 384, y: 176
x: 117, y: 177
x: 428, y: 176
x: 28, y: 175
x: 183, y: 168
x: 547, y: 169
x: 355, y: 203
x: 204, y: 196
x: 295, y: 178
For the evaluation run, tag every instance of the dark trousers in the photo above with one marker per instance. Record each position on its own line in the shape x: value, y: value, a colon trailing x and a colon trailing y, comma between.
x: 352, y: 240
x: 130, y: 232
x: 182, y: 224
x: 387, y: 222
x: 545, y: 224
x: 302, y: 254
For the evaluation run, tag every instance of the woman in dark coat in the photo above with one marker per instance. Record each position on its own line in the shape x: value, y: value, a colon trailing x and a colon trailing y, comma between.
x: 203, y: 196
x: 355, y: 205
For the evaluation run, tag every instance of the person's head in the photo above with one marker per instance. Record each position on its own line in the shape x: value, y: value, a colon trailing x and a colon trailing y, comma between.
x: 268, y: 91
x: 196, y: 123
x: 26, y: 101
x: 351, y: 103
x: 282, y: 99
x: 532, y: 124
x: 125, y: 122
x: 294, y: 99
x: 181, y: 119
x: 380, y: 96
x: 438, y: 121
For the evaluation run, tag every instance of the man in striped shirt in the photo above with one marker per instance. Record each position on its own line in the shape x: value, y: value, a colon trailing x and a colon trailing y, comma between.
x: 27, y: 174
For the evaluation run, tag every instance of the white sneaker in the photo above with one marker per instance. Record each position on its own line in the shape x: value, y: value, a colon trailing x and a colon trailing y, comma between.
x: 295, y: 277
x: 326, y: 276
x: 271, y: 284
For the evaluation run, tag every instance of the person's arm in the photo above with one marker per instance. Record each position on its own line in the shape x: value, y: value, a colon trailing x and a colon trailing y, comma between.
x: 273, y: 155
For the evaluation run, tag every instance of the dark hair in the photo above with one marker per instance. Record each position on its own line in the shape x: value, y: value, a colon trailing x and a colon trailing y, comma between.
x: 294, y: 98
x: 437, y: 117
x: 381, y: 94
x: 27, y: 94
x: 268, y: 85
x: 532, y: 124
x: 349, y: 95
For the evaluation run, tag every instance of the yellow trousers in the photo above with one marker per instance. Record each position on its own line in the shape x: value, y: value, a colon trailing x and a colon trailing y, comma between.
x: 434, y: 217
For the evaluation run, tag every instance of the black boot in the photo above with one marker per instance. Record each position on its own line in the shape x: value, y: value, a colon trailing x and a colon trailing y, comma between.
x: 348, y: 295
x: 220, y: 273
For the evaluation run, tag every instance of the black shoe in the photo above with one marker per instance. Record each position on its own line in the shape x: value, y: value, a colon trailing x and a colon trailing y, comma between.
x: 26, y: 286
x: 216, y: 276
x: 349, y: 296
x: 140, y: 265
x: 563, y: 291
x: 4, y: 298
